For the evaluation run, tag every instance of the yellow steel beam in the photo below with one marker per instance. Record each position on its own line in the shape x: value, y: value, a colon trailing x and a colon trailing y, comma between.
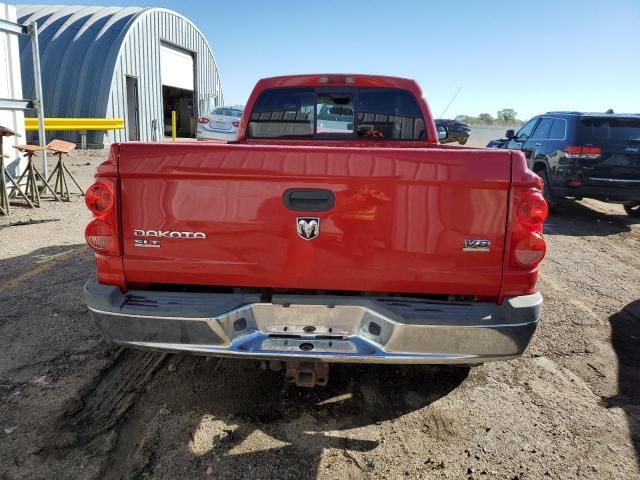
x: 76, y: 123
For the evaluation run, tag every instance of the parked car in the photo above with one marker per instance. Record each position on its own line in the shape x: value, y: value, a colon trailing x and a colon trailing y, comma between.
x: 457, y: 131
x: 221, y: 124
x: 364, y: 241
x: 583, y: 155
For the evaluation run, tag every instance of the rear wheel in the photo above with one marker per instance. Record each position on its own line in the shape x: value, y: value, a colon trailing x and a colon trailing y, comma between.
x: 546, y: 188
x: 632, y: 209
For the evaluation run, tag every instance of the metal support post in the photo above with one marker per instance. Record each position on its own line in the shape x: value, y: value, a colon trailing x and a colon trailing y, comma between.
x: 83, y: 139
x: 35, y: 51
x: 5, y: 208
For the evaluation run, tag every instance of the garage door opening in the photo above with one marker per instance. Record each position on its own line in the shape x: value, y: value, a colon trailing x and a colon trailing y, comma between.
x: 180, y: 101
x: 178, y: 87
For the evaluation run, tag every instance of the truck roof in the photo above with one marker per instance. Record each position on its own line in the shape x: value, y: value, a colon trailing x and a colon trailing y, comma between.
x: 339, y: 79
x: 592, y: 114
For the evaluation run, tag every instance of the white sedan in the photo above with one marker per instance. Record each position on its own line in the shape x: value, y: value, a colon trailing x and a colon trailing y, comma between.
x: 221, y: 124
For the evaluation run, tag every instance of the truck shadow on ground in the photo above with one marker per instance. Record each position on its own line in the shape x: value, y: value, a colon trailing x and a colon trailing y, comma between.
x: 576, y: 219
x: 12, y: 269
x: 625, y: 337
x: 251, y: 424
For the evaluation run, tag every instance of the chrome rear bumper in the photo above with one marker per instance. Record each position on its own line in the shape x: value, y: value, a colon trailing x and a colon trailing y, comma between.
x: 314, y: 327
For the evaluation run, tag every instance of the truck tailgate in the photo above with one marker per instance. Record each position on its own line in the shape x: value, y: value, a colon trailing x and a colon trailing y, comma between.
x: 399, y: 224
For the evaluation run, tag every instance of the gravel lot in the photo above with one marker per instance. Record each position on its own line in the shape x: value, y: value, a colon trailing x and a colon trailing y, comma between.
x: 73, y: 407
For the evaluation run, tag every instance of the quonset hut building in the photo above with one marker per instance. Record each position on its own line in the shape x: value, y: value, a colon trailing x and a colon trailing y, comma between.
x: 113, y: 62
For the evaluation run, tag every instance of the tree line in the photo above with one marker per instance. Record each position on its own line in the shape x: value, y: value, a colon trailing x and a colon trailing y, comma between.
x: 506, y: 116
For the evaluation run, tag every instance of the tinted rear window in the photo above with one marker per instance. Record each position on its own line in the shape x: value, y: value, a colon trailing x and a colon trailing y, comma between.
x: 607, y: 131
x: 387, y: 113
x: 228, y: 112
x: 282, y: 113
x: 376, y: 113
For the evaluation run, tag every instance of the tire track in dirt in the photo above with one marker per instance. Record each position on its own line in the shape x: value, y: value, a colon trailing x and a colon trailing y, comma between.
x: 90, y: 420
x: 135, y: 448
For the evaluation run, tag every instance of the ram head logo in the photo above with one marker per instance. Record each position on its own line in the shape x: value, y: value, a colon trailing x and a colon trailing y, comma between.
x: 308, y: 227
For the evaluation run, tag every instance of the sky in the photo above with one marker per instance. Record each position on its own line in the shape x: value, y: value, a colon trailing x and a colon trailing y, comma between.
x: 530, y: 56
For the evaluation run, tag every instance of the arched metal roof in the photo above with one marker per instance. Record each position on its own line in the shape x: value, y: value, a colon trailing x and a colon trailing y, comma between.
x: 79, y: 47
x: 85, y: 50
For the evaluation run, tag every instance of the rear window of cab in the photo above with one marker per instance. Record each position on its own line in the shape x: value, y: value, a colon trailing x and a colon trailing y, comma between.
x: 337, y: 113
x: 609, y: 131
x: 227, y: 112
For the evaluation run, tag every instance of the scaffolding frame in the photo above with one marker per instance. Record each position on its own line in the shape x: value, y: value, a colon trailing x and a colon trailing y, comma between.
x: 30, y: 30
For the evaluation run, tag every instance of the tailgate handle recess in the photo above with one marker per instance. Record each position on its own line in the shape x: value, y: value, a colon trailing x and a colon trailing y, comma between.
x: 309, y: 199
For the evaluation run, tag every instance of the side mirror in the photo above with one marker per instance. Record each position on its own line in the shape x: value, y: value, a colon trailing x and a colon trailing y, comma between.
x: 442, y: 132
x: 511, y: 133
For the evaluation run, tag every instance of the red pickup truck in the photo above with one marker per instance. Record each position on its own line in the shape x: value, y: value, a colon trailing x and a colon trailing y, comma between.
x: 335, y: 229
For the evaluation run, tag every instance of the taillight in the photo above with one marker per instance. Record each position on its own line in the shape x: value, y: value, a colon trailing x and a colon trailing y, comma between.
x: 235, y: 124
x: 527, y: 244
x: 203, y: 120
x: 529, y: 250
x: 102, y: 232
x: 532, y: 210
x: 582, y: 152
x: 99, y: 198
x: 99, y: 235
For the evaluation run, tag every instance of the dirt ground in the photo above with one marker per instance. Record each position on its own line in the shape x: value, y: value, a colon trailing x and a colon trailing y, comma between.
x: 73, y: 407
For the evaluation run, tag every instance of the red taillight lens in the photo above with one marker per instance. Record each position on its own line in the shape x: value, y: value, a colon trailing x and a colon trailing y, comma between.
x: 527, y: 245
x: 591, y: 150
x: 532, y: 211
x: 99, y: 235
x: 99, y: 198
x: 573, y: 150
x: 203, y: 120
x: 102, y: 233
x: 582, y: 151
x: 235, y: 124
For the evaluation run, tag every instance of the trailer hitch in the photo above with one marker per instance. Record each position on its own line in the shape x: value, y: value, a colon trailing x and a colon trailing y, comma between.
x: 307, y: 374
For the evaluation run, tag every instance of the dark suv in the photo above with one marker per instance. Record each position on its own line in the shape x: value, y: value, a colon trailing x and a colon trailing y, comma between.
x: 583, y: 155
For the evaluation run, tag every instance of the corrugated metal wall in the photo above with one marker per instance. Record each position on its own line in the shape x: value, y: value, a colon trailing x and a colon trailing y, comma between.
x: 87, y: 52
x: 140, y: 57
